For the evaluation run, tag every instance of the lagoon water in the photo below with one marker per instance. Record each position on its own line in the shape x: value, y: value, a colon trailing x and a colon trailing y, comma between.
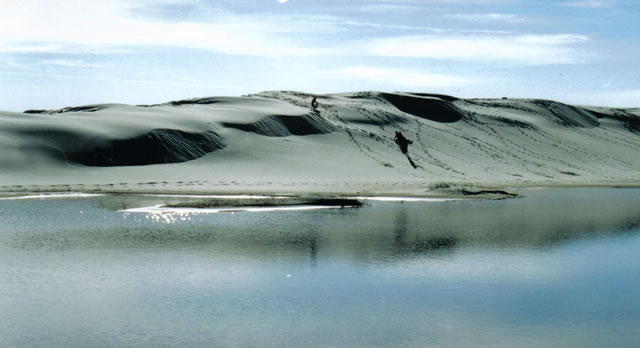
x: 558, y: 267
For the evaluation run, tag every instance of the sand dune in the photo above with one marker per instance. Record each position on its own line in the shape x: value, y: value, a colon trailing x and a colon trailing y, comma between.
x: 273, y: 142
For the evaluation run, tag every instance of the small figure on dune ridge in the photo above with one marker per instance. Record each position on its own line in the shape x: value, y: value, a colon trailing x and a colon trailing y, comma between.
x: 314, y: 104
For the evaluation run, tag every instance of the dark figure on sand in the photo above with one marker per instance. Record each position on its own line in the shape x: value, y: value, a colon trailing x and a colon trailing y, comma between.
x: 314, y: 103
x: 404, y: 147
x: 402, y: 142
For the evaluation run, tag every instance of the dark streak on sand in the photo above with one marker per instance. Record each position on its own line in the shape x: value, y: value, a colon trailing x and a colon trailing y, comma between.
x: 85, y: 108
x: 268, y: 202
x: 501, y: 193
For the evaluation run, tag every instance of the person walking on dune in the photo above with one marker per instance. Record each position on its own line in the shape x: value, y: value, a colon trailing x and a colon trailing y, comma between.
x: 402, y: 142
x: 314, y: 104
x: 404, y: 147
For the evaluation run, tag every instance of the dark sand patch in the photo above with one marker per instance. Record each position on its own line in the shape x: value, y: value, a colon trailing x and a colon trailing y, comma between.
x: 282, y: 126
x: 426, y: 107
x: 568, y: 115
x: 159, y: 146
x: 261, y: 202
x: 630, y: 120
x: 488, y: 193
x: 84, y: 108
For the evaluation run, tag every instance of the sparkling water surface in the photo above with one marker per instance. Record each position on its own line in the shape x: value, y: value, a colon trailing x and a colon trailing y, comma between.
x: 558, y: 267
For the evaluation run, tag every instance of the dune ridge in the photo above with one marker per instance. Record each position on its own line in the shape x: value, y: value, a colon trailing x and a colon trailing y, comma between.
x: 274, y: 142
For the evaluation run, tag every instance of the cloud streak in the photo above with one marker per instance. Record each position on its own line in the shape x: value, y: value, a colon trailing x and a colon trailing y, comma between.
x: 489, y: 17
x: 399, y: 77
x: 584, y: 4
x: 38, y: 26
x: 70, y: 63
x: 514, y: 49
x: 433, y: 30
x: 626, y: 98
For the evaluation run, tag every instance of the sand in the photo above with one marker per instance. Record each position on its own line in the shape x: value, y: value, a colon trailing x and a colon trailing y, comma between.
x: 274, y: 143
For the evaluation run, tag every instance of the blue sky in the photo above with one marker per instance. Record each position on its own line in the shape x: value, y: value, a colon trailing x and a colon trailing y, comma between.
x: 74, y: 52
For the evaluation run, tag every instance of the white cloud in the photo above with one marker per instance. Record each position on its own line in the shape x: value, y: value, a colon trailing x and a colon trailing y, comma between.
x: 399, y: 77
x: 71, y: 63
x: 585, y: 4
x: 75, y: 26
x: 419, y: 28
x: 624, y: 98
x: 183, y: 82
x: 48, y: 26
x: 489, y: 17
x: 386, y: 8
x: 514, y: 49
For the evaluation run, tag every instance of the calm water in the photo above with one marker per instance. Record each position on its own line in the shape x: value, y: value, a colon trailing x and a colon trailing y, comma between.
x: 556, y: 268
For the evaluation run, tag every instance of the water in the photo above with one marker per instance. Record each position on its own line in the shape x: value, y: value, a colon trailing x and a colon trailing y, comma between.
x: 556, y: 268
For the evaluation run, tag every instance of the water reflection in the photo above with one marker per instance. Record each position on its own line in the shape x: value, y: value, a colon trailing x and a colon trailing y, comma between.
x: 556, y: 268
x: 378, y: 230
x: 403, y: 244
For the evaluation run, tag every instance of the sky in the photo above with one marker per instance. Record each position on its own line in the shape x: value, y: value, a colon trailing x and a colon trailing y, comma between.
x: 57, y: 53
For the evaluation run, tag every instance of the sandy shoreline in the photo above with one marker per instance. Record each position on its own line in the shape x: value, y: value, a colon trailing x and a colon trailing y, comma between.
x: 408, y: 194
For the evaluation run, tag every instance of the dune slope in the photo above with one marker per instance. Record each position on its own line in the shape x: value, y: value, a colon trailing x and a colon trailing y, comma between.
x: 274, y: 142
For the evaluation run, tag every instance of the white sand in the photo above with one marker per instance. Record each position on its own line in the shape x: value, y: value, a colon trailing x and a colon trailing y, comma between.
x: 272, y: 143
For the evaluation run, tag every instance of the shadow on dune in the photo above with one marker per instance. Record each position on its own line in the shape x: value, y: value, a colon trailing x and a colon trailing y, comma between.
x: 434, y: 95
x: 196, y: 101
x: 282, y: 126
x: 158, y: 146
x: 568, y: 115
x: 630, y: 120
x: 84, y: 108
x: 426, y: 107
